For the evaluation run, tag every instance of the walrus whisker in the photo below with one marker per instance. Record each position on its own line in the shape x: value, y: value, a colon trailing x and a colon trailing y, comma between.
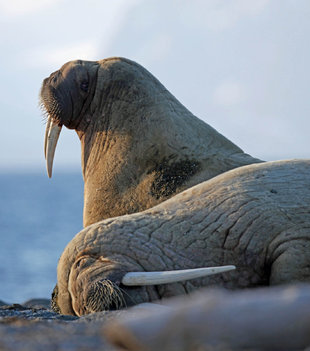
x: 54, y: 304
x: 104, y: 295
x: 45, y: 114
x: 124, y: 292
x: 44, y: 120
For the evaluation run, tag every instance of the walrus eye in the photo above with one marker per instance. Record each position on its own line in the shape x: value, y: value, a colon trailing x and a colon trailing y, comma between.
x: 84, y: 86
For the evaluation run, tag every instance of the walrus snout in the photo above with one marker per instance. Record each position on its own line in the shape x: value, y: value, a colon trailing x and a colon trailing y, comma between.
x: 99, y: 283
x: 95, y: 284
x: 64, y: 97
x: 102, y: 295
x: 55, y: 98
x: 65, y: 92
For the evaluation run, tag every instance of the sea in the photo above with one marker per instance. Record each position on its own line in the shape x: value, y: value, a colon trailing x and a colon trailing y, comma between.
x: 38, y: 217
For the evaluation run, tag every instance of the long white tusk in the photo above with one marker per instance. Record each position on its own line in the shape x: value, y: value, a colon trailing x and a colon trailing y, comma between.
x: 166, y: 277
x: 51, y: 138
x: 48, y: 124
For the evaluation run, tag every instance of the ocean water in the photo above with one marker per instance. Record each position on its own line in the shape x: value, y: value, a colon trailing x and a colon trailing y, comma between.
x: 38, y: 217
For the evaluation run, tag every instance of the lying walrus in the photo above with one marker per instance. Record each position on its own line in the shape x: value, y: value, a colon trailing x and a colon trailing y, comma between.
x: 276, y: 318
x: 139, y: 144
x: 255, y: 217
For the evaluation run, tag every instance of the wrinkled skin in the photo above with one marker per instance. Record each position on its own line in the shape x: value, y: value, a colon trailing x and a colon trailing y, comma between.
x: 139, y: 144
x: 255, y: 217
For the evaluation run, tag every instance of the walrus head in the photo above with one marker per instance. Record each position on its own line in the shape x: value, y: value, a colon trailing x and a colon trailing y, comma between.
x: 65, y: 96
x: 139, y: 144
x: 97, y: 284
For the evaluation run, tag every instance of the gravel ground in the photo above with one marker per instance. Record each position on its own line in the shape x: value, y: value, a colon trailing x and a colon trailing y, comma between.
x: 33, y: 326
x: 270, y: 318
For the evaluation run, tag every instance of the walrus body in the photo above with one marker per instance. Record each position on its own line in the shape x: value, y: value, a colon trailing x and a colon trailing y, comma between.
x: 140, y: 145
x: 255, y: 217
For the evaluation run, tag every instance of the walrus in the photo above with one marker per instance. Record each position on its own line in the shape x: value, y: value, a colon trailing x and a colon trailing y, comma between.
x: 272, y: 318
x: 140, y: 145
x: 255, y: 218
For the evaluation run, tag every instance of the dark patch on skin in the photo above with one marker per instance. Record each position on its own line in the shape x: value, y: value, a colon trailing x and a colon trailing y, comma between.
x: 54, y: 304
x: 170, y: 176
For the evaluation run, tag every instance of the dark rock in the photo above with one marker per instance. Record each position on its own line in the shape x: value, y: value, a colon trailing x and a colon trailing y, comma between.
x: 23, y: 328
x: 19, y: 312
x: 25, y: 335
x: 38, y: 303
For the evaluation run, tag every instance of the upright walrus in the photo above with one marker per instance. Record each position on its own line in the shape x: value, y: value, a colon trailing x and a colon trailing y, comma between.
x: 140, y: 145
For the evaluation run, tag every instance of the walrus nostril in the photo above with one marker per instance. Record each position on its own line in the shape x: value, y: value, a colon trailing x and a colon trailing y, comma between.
x: 84, y: 86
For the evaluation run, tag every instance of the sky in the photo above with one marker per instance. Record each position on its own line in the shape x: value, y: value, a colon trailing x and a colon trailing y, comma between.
x: 241, y: 66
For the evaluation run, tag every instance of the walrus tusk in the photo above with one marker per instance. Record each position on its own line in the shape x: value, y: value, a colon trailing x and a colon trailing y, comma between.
x: 166, y: 277
x: 51, y: 137
x: 48, y: 124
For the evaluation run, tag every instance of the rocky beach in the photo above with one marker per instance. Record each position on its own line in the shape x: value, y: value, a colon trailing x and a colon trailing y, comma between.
x: 276, y: 318
x: 34, y: 326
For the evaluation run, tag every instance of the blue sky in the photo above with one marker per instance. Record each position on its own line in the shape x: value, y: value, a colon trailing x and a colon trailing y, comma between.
x: 242, y: 66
